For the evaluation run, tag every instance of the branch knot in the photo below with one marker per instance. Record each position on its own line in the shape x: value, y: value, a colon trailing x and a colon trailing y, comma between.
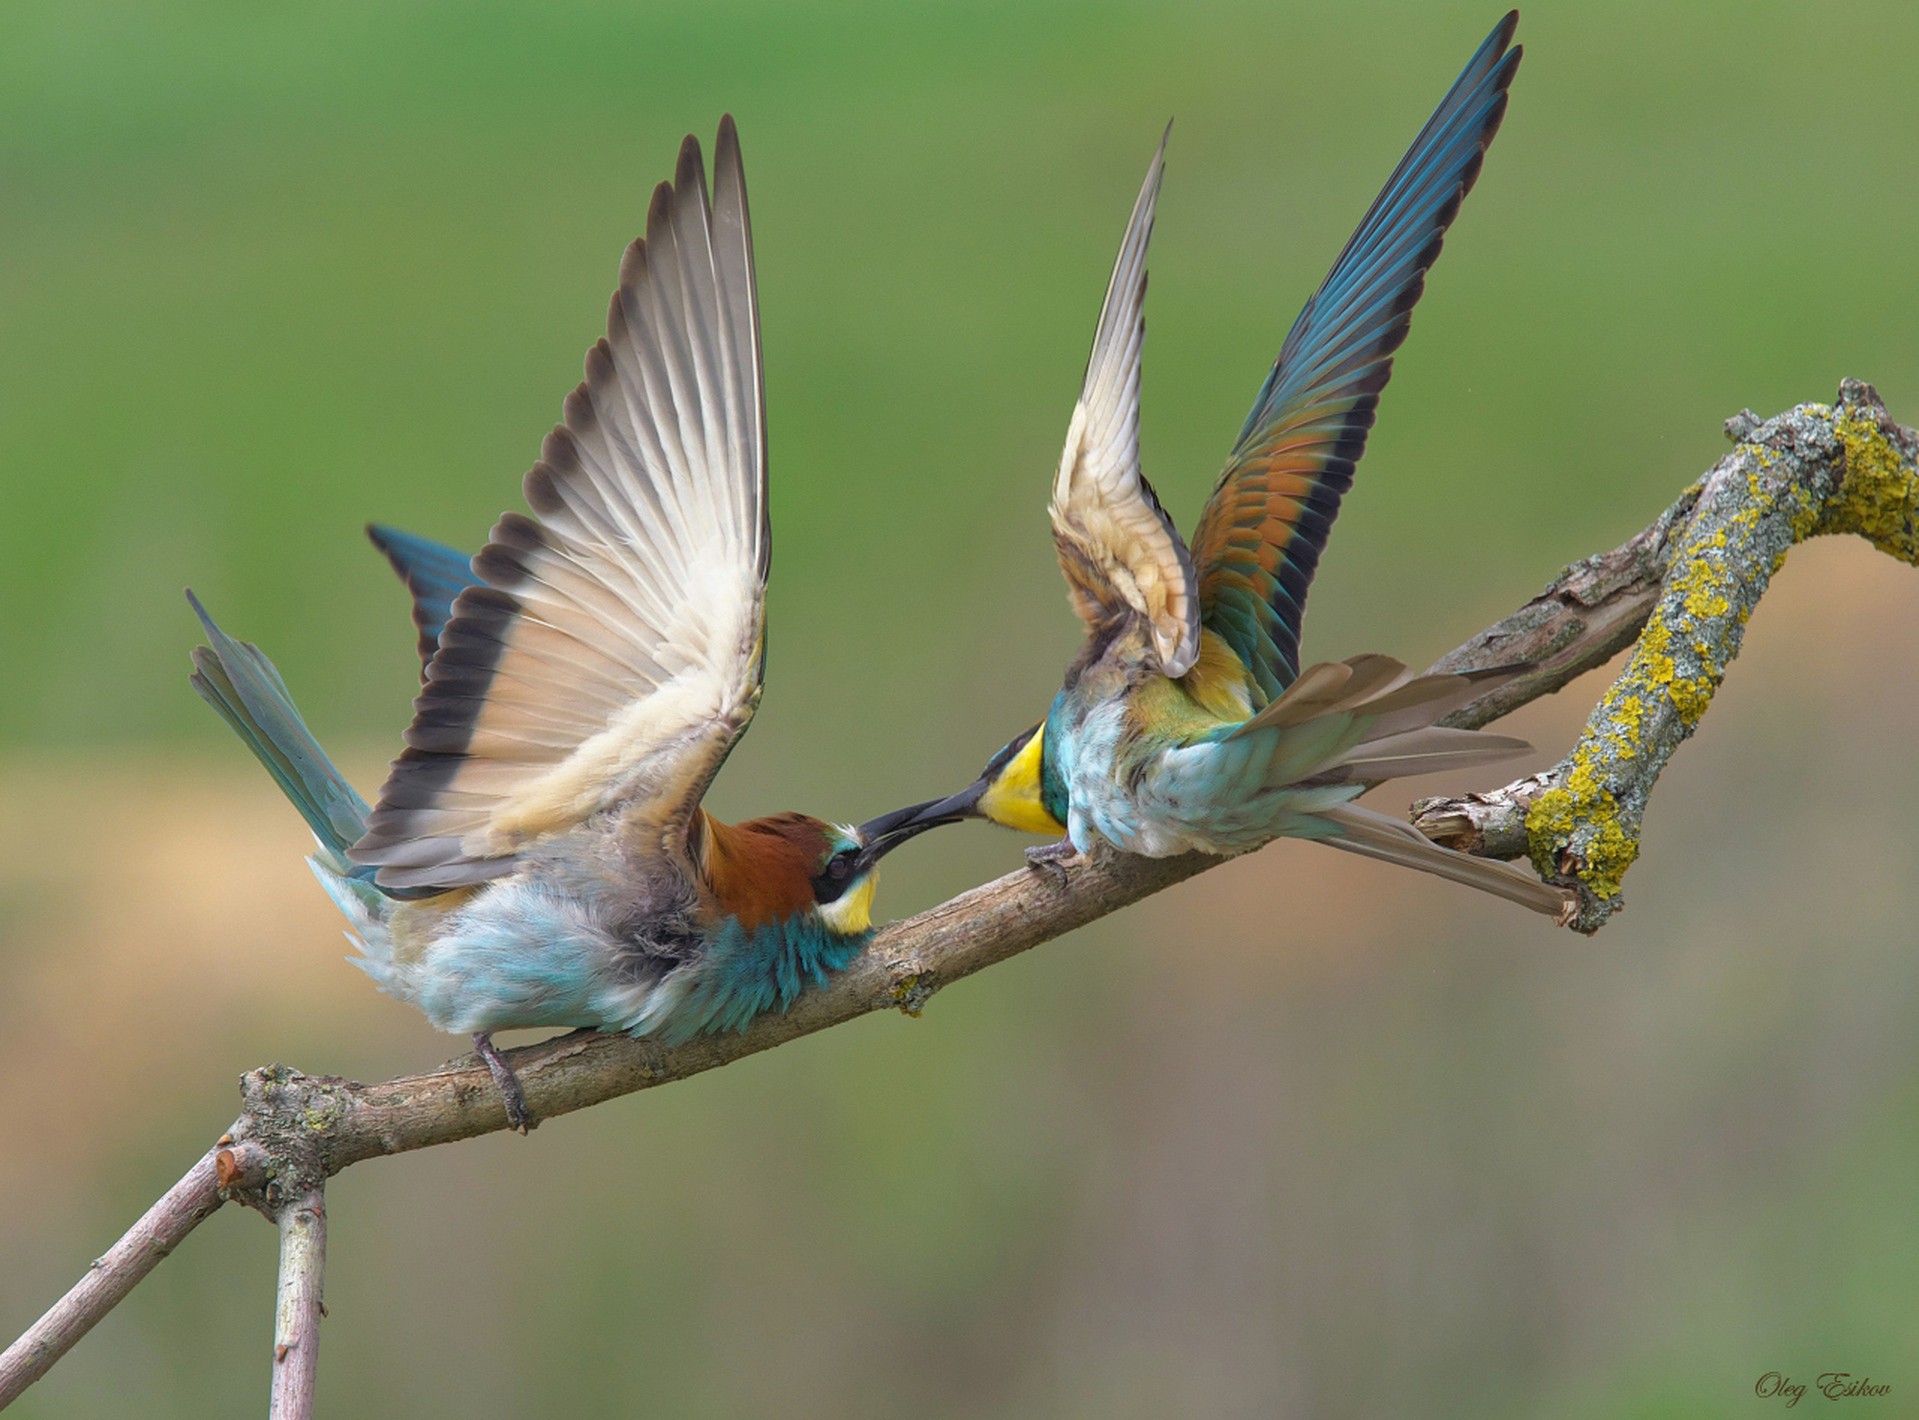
x: 278, y: 1155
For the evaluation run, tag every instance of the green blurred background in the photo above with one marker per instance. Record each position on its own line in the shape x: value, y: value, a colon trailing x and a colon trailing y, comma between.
x: 1307, y: 1136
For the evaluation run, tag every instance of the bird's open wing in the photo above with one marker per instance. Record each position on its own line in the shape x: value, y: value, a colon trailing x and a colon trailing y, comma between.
x: 1259, y: 540
x: 1117, y: 547
x: 613, y: 652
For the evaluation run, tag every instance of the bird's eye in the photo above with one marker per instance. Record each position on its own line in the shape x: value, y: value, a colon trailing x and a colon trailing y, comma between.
x: 841, y: 865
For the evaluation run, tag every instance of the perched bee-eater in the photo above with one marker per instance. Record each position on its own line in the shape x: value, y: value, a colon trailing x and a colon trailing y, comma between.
x: 1185, y: 722
x: 539, y: 856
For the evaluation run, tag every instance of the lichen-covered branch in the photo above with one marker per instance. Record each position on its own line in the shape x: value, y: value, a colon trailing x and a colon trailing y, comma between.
x: 1842, y: 468
x: 1690, y: 580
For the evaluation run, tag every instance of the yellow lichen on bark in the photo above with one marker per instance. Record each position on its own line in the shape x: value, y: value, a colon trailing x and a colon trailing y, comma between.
x: 1605, y: 853
x: 1879, y: 497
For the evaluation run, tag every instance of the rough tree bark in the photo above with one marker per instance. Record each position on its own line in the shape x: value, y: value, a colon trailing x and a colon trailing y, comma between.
x: 1689, y: 582
x: 296, y: 1319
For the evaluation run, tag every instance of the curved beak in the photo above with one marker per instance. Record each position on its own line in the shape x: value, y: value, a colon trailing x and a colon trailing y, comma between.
x: 885, y: 833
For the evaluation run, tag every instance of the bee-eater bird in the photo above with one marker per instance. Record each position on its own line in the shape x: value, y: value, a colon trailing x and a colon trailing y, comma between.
x: 1184, y: 722
x: 539, y: 856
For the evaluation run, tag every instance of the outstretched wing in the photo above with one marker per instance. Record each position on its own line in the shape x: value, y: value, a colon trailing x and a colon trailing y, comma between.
x: 1260, y: 538
x: 1118, y: 549
x: 612, y: 653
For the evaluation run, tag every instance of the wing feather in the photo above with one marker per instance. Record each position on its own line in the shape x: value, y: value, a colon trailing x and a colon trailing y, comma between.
x: 1259, y: 541
x: 1119, y: 551
x: 612, y: 651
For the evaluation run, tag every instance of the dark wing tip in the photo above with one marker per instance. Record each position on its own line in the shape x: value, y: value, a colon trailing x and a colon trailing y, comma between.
x: 445, y: 714
x: 542, y: 494
x: 729, y: 170
x: 632, y: 267
x: 689, y: 174
x: 601, y: 374
x: 659, y: 211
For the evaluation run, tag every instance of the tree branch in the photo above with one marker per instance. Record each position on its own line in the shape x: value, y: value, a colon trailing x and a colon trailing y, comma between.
x: 296, y: 1320
x: 115, y: 1273
x: 1692, y: 577
x: 1817, y: 469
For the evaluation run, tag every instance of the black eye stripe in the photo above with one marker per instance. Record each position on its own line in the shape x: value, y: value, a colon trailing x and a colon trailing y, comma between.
x: 835, y: 876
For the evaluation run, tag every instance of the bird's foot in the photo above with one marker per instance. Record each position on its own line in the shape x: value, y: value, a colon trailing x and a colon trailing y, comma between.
x: 1052, y: 858
x: 506, y: 1082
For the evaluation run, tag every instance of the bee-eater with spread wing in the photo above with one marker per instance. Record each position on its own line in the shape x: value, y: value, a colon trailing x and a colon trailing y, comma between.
x: 539, y: 856
x: 1185, y: 723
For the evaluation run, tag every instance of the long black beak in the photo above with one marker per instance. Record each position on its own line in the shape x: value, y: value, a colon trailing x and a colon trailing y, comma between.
x: 964, y: 804
x: 885, y: 833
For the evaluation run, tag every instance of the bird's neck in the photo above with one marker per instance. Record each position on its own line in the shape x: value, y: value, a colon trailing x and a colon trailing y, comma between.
x: 765, y: 941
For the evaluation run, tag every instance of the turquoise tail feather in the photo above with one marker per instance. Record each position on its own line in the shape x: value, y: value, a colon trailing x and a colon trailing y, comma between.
x: 239, y: 682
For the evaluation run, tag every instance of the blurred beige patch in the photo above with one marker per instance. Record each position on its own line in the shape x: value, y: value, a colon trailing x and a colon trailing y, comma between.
x: 149, y: 907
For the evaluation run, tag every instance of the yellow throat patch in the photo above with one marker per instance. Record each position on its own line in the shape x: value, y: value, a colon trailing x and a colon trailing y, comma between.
x: 851, y: 912
x: 1013, y: 798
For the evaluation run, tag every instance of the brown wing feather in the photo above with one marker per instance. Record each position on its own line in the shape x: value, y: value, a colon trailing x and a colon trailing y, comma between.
x: 1119, y: 551
x: 613, y: 654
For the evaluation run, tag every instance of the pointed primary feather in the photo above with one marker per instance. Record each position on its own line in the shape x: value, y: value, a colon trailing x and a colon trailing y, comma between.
x: 1259, y: 540
x: 434, y: 575
x: 613, y: 653
x: 1118, y: 549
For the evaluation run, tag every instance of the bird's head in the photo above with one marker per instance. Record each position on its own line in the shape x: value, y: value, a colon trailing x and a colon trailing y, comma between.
x: 789, y: 865
x: 1013, y: 791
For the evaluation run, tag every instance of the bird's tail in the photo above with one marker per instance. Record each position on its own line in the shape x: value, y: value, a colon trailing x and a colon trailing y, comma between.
x: 1352, y: 724
x: 1376, y: 835
x: 239, y: 682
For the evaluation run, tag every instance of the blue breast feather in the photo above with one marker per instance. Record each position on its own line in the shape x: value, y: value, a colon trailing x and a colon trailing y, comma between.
x: 743, y: 974
x: 531, y: 959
